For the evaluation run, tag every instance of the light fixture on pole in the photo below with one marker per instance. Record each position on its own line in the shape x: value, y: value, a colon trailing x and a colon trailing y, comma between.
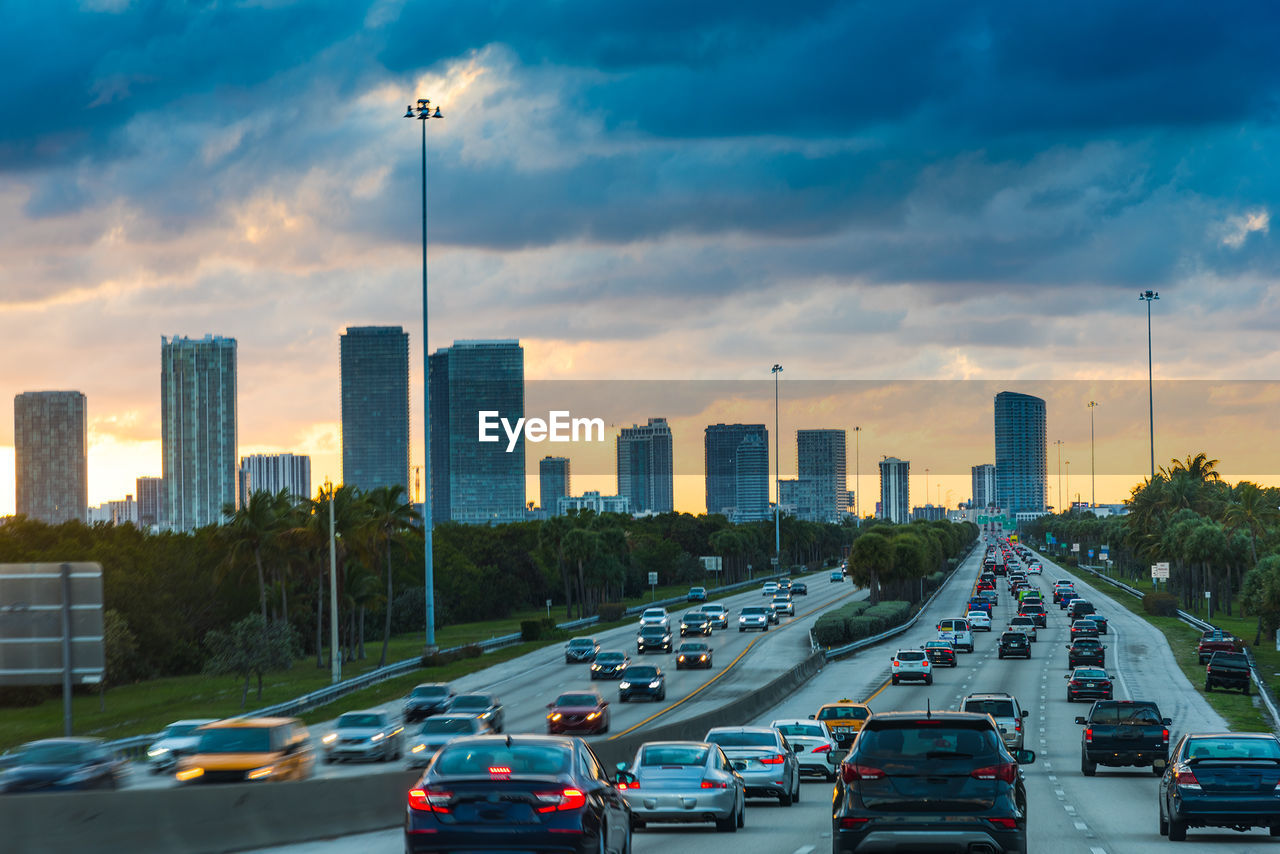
x: 1058, y: 442
x: 777, y: 467
x: 422, y: 112
x: 335, y: 654
x: 1148, y: 297
x: 1093, y: 481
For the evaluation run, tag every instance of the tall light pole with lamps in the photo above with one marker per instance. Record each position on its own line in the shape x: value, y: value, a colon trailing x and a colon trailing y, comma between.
x: 335, y: 654
x: 1093, y: 481
x: 1058, y: 442
x: 857, y: 468
x: 1148, y: 297
x: 777, y: 469
x: 422, y: 112
x: 1068, y: 485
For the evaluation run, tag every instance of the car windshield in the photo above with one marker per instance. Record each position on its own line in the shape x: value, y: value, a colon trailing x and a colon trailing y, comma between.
x: 733, y: 738
x: 752, y: 611
x: 582, y: 643
x: 695, y: 617
x: 713, y: 609
x: 57, y: 753
x: 471, y: 701
x: 640, y: 672
x: 577, y: 700
x: 937, y: 645
x: 929, y: 740
x: 800, y: 729
x: 1226, y: 747
x: 609, y: 657
x: 359, y: 720
x: 995, y: 708
x: 436, y: 726
x: 179, y: 730
x: 655, y: 612
x: 239, y: 739
x: 496, y: 758
x: 693, y: 647
x: 673, y: 754
x: 430, y: 691
x: 833, y: 713
x: 653, y: 631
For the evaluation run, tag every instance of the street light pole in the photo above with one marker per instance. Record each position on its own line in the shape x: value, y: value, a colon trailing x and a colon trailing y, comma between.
x: 777, y: 468
x: 1093, y: 482
x: 1148, y: 297
x: 1068, y: 485
x: 857, y: 468
x: 422, y: 112
x: 1058, y: 442
x: 335, y: 655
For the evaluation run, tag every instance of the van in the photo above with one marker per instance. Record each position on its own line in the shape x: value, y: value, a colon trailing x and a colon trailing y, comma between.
x: 239, y: 750
x: 957, y: 632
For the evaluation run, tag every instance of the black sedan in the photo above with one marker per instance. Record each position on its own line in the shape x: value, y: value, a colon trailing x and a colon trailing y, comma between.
x: 695, y: 623
x: 427, y: 699
x: 1086, y: 651
x: 1014, y: 644
x: 609, y: 665
x: 799, y: 588
x: 693, y: 654
x: 1220, y: 780
x: 61, y: 765
x: 486, y: 792
x: 1089, y: 683
x: 642, y: 680
x: 653, y: 638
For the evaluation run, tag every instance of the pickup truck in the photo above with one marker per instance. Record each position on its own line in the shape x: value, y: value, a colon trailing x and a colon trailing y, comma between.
x: 1216, y: 640
x: 1123, y: 733
x: 1227, y: 670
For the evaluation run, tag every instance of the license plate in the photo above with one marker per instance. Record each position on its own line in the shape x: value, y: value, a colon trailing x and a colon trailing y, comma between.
x: 1090, y: 685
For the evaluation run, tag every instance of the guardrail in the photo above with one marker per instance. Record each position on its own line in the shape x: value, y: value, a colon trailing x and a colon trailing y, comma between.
x: 1264, y: 690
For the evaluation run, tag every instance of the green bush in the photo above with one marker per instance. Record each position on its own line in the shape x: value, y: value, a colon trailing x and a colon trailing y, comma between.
x: 829, y: 630
x: 1160, y: 604
x: 471, y: 650
x: 439, y: 659
x: 863, y: 627
x: 530, y: 630
x: 611, y: 612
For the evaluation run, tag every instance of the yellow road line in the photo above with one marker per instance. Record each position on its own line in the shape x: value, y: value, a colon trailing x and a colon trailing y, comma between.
x: 729, y: 667
x: 877, y: 691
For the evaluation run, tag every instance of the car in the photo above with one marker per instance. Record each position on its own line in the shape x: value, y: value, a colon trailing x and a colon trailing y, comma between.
x: 980, y: 621
x: 991, y: 596
x: 1124, y: 733
x: 1216, y: 640
x: 1100, y: 621
x: 425, y: 700
x: 1026, y: 625
x: 655, y: 617
x: 1228, y: 670
x: 484, y: 706
x: 1035, y: 611
x: 911, y: 664
x: 1013, y: 644
x: 940, y: 653
x: 1084, y: 629
x: 578, y: 650
x: 694, y: 654
x: 835, y: 576
x: 1034, y: 568
x: 683, y: 782
x: 1078, y: 609
x: 369, y: 735
x: 764, y: 759
x: 754, y: 617
x: 941, y: 781
x: 977, y: 603
x: 178, y: 738
x: 653, y: 637
x: 799, y: 588
x: 1063, y: 591
x: 697, y: 594
x: 642, y: 680
x: 61, y: 765
x: 843, y: 719
x: 549, y: 792
x: 1226, y: 779
x: 718, y: 615
x: 1086, y: 651
x: 695, y: 623
x: 609, y: 665
x: 1004, y: 710
x: 956, y: 632
x: 1088, y: 683
x: 783, y: 605
x: 784, y: 585
x: 817, y: 751
x: 772, y: 614
x: 770, y: 589
x: 578, y: 711
x: 437, y: 731
x: 239, y: 750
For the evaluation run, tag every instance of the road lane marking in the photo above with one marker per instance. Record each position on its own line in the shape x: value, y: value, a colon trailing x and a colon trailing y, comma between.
x: 805, y: 850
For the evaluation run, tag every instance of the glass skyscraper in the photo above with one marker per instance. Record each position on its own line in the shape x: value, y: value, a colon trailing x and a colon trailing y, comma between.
x: 553, y: 482
x: 50, y: 437
x: 274, y: 472
x: 198, y: 424
x: 645, y: 474
x: 751, y: 479
x: 375, y: 407
x: 820, y: 461
x: 1021, y: 452
x: 984, y: 485
x: 474, y: 481
x: 720, y: 454
x: 895, y: 490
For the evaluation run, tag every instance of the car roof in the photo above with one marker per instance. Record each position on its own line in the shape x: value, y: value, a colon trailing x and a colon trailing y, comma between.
x: 994, y: 695
x: 431, y: 685
x: 934, y: 714
x: 78, y: 741
x: 843, y: 703
x: 252, y: 723
x: 794, y: 722
x: 767, y: 729
x: 193, y: 722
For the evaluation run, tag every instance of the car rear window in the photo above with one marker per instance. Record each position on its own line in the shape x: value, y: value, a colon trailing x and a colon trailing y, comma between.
x: 843, y: 713
x: 995, y: 708
x: 495, y: 757
x: 913, y: 742
x: 742, y: 739
x: 801, y: 729
x: 673, y: 754
x: 436, y: 726
x: 1124, y: 713
x: 1225, y: 747
x: 910, y: 655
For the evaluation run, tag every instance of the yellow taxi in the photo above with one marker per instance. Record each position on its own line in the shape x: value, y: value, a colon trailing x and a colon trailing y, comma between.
x: 244, y: 749
x: 844, y: 718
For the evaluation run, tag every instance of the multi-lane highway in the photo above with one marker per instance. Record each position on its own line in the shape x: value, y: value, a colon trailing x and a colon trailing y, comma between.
x: 1112, y: 813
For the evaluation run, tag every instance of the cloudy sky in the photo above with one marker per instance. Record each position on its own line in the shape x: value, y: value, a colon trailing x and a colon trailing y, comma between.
x: 868, y: 191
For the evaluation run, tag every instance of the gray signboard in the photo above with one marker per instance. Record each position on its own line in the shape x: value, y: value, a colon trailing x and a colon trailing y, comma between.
x: 38, y: 623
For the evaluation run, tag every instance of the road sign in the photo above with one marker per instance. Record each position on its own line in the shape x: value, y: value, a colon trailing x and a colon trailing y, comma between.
x: 1075, y: 547
x: 653, y: 578
x: 1104, y: 554
x: 1091, y: 553
x: 1159, y: 571
x: 713, y: 563
x: 32, y: 611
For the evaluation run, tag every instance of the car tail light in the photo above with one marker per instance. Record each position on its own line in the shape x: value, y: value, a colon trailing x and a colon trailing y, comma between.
x: 1186, y: 778
x: 1074, y: 683
x: 565, y: 799
x: 1017, y: 726
x: 714, y: 784
x: 1004, y: 823
x: 821, y: 748
x: 1088, y: 734
x: 850, y: 772
x: 925, y: 662
x: 895, y: 662
x: 430, y: 800
x: 623, y: 785
x: 1164, y: 736
x: 852, y: 822
x: 1005, y: 771
x: 773, y: 760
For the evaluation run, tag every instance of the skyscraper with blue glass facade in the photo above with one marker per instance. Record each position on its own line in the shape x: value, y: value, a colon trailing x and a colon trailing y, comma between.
x: 375, y: 407
x: 198, y: 430
x: 1021, y: 452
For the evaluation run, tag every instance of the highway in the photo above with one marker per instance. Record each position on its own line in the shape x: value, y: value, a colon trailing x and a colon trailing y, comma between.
x: 1112, y: 813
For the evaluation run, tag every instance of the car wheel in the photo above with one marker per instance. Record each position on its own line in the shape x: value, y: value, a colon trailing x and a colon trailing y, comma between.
x: 1207, y: 687
x: 1274, y: 830
x: 1177, y: 830
x: 1069, y: 699
x: 637, y: 824
x: 795, y: 799
x: 729, y: 823
x: 785, y: 800
x: 928, y: 680
x: 1157, y: 769
x: 662, y: 698
x: 622, y: 698
x: 1087, y: 768
x: 328, y: 760
x: 741, y: 629
x: 1246, y: 689
x: 766, y: 627
x: 1000, y: 654
x: 895, y: 680
x: 1164, y: 824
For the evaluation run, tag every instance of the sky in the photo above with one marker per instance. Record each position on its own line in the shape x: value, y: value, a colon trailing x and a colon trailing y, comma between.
x: 873, y: 192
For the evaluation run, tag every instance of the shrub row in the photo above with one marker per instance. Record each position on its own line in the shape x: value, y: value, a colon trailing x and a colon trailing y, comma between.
x: 1160, y: 604
x: 438, y: 659
x: 543, y: 627
x: 859, y: 620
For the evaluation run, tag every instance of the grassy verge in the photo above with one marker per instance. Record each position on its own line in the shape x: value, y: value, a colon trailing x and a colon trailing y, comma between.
x: 1238, y: 710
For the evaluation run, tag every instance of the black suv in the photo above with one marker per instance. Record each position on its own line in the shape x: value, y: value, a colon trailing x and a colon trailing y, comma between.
x: 931, y: 780
x: 1086, y: 651
x: 642, y: 680
x: 653, y: 638
x: 1014, y: 643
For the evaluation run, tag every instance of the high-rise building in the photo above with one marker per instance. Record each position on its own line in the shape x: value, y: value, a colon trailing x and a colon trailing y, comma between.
x: 1021, y: 452
x: 115, y: 512
x: 594, y: 501
x: 720, y: 449
x: 274, y: 472
x: 645, y: 473
x: 375, y: 407
x: 895, y: 489
x: 820, y: 459
x: 198, y: 429
x: 929, y: 513
x: 751, y: 480
x: 51, y: 455
x: 150, y: 491
x: 553, y: 483
x: 984, y: 485
x: 798, y: 497
x: 474, y: 481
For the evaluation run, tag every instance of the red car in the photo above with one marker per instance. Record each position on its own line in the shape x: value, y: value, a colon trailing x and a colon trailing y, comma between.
x: 582, y: 711
x: 1216, y: 640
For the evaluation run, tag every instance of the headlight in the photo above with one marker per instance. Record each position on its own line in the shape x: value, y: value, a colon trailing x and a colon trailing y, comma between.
x: 157, y: 751
x: 639, y: 638
x: 654, y: 684
x: 680, y: 658
x: 259, y: 773
x: 330, y: 738
x: 702, y: 658
x: 189, y: 774
x: 377, y: 737
x: 595, y: 667
x: 593, y: 716
x: 417, y: 748
x: 624, y: 684
x: 554, y: 716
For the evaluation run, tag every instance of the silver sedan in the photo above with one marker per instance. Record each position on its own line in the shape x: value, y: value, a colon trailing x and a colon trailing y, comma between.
x: 764, y: 758
x: 371, y: 735
x: 816, y: 751
x: 685, y: 782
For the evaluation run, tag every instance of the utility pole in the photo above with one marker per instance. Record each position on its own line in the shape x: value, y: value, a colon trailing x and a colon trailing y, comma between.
x: 857, y: 467
x: 1148, y: 297
x: 1058, y: 442
x: 1093, y: 484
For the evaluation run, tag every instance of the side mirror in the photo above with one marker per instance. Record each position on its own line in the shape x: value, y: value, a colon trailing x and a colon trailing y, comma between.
x: 1025, y: 757
x: 1068, y: 646
x: 621, y: 766
x: 1167, y: 721
x: 1024, y: 713
x: 1081, y: 720
x: 624, y: 778
x: 551, y: 705
x: 739, y: 766
x: 1104, y: 646
x: 604, y: 703
x: 811, y: 717
x: 1068, y: 676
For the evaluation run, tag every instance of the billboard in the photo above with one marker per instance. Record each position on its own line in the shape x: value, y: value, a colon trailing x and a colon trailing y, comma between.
x: 34, y: 619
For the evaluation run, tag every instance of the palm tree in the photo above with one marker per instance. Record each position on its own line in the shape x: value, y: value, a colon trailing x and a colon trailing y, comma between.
x: 253, y: 528
x: 389, y: 518
x: 1251, y: 512
x: 870, y: 556
x: 551, y: 537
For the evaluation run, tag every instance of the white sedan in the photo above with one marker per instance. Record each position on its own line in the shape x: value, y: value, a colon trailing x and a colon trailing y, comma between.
x: 979, y: 620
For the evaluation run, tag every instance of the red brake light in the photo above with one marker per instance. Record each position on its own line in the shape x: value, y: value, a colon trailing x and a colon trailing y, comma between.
x: 714, y: 784
x: 1005, y: 771
x: 1186, y: 778
x: 1075, y: 683
x: 926, y: 662
x: 565, y: 799
x: 895, y: 662
x: 851, y: 822
x: 1005, y: 823
x: 429, y: 800
x: 822, y: 748
x: 499, y: 771
x: 850, y: 772
x: 1088, y: 734
x: 1164, y: 735
x: 773, y: 760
